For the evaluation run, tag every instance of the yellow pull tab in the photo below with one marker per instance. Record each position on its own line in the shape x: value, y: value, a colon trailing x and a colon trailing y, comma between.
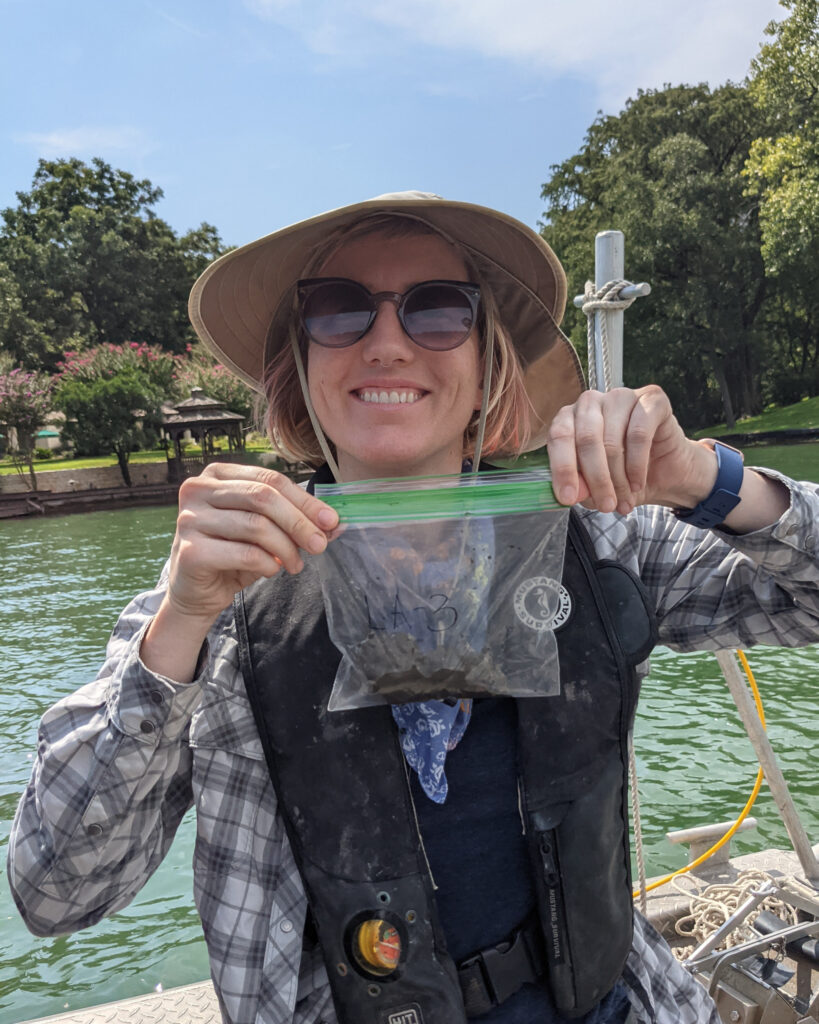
x: 378, y: 945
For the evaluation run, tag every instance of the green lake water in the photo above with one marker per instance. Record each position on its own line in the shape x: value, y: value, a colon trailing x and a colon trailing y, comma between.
x: 64, y: 581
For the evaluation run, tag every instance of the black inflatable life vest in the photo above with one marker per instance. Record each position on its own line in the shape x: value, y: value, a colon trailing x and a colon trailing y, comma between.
x: 342, y: 786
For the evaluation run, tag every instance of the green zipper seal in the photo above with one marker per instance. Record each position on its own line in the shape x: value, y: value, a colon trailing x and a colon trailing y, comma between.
x: 445, y: 497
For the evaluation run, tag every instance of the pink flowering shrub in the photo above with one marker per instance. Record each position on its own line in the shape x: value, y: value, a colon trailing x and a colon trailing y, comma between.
x: 106, y: 361
x: 199, y: 371
x: 25, y: 402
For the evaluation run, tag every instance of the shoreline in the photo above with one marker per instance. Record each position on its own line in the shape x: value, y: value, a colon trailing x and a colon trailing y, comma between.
x: 22, y: 505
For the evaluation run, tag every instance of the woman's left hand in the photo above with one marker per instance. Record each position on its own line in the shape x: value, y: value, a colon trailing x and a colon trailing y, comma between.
x: 622, y: 448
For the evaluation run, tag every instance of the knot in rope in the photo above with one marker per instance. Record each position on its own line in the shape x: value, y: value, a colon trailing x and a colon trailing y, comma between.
x: 607, y: 297
x: 603, y: 300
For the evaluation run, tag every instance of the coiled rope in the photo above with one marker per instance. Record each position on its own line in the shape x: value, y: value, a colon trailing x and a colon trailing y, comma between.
x: 712, y: 905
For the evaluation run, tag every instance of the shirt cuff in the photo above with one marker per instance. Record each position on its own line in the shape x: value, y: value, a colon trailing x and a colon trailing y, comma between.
x: 150, y: 707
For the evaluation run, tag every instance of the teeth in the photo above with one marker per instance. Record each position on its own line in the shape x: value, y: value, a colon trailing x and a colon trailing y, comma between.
x: 390, y: 397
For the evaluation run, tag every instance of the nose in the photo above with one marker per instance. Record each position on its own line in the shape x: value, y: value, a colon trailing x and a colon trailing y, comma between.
x: 386, y: 341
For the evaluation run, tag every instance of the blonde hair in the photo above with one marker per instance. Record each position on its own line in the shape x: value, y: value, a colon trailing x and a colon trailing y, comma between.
x: 507, y: 417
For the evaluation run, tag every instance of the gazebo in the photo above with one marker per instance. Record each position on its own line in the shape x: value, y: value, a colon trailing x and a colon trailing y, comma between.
x: 200, y: 419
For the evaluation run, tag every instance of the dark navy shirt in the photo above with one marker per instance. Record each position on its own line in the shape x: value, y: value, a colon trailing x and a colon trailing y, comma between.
x: 480, y: 861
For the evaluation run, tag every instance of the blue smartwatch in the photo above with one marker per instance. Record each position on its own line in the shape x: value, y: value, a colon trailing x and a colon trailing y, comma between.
x: 724, y: 495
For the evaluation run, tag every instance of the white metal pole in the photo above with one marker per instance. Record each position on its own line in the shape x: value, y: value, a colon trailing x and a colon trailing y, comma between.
x: 609, y: 265
x: 767, y: 760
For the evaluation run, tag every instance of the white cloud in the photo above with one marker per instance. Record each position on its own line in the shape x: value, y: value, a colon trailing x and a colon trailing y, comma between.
x: 88, y: 141
x: 644, y: 45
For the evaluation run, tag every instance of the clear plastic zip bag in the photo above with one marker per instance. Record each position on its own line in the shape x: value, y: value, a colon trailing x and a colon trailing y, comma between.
x: 444, y: 587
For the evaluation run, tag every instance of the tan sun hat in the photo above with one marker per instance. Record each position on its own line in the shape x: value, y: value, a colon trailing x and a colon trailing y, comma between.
x: 241, y: 305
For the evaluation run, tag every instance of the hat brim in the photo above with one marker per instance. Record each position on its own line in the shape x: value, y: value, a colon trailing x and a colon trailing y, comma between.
x: 241, y: 304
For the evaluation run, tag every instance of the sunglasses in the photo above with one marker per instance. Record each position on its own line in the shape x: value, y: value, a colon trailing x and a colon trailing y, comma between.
x: 437, y: 315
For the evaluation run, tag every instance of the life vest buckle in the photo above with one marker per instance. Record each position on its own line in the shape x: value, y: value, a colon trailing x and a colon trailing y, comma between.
x: 491, y: 976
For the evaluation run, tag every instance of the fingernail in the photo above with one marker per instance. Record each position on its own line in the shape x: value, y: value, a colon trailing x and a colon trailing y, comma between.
x: 567, y: 495
x: 608, y: 505
x: 327, y: 518
x: 317, y: 543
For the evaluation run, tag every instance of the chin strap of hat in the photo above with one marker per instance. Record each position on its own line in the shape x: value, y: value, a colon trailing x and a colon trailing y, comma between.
x: 311, y: 412
x: 488, y: 360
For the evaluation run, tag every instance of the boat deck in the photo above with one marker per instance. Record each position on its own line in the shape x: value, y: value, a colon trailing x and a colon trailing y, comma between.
x: 197, y: 1004
x: 190, y: 1004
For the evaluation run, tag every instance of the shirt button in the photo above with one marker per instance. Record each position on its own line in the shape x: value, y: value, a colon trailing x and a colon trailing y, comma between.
x: 810, y: 543
x: 791, y: 530
x: 147, y: 726
x: 286, y: 926
x: 157, y: 697
x: 94, y: 830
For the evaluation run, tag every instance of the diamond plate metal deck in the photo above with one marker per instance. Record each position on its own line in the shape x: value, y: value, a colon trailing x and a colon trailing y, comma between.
x: 190, y: 1004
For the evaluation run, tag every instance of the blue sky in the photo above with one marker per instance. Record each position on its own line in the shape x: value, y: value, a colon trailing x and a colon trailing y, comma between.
x: 252, y: 114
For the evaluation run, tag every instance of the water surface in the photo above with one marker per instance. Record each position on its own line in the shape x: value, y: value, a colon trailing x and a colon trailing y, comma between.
x: 64, y: 581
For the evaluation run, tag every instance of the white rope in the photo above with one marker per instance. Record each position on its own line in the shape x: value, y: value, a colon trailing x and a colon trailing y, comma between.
x: 712, y: 905
x: 605, y: 299
x: 638, y: 829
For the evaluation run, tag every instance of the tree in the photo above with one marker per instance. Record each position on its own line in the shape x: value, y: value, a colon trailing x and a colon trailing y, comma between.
x: 782, y: 172
x: 25, y: 401
x: 112, y: 397
x: 199, y: 370
x: 90, y: 261
x: 667, y: 171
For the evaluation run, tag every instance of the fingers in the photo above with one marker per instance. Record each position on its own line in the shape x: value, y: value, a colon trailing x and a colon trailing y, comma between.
x: 246, y: 508
x: 600, y: 448
x: 245, y: 503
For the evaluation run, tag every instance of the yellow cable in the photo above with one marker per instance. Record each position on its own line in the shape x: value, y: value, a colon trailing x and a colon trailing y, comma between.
x: 746, y: 809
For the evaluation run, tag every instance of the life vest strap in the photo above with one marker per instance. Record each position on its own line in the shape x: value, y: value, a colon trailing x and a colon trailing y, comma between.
x: 491, y: 976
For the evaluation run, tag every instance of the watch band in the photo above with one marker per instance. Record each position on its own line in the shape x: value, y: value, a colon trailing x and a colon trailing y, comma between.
x: 724, y: 496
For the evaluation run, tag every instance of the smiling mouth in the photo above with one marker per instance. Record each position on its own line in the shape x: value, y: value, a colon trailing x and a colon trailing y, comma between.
x: 393, y: 396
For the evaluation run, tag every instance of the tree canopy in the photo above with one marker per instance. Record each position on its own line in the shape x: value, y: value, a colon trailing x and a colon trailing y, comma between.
x: 112, y: 399
x: 84, y: 259
x: 700, y: 186
x: 25, y: 401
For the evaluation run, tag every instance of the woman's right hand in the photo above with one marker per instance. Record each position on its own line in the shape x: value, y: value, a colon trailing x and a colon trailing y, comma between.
x: 236, y: 524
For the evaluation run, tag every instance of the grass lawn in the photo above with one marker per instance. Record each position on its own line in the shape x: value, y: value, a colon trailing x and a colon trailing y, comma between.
x: 102, y: 461
x: 800, y: 415
x: 799, y: 461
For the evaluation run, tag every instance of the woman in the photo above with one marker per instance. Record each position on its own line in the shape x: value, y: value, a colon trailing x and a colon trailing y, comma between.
x: 424, y: 333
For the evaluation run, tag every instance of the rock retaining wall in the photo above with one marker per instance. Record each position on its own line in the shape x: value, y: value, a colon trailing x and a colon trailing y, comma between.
x: 68, y: 479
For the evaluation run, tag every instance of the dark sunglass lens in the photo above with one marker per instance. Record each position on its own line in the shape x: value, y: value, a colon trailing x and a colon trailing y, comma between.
x: 438, y: 316
x: 335, y: 314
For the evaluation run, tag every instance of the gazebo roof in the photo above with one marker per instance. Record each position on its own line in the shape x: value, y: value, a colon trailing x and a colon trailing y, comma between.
x: 200, y: 409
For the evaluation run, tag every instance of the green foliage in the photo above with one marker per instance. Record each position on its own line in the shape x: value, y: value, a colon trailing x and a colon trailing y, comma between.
x: 25, y: 401
x: 87, y: 260
x: 158, y: 367
x: 667, y: 172
x: 111, y: 404
x: 782, y: 175
x: 200, y: 371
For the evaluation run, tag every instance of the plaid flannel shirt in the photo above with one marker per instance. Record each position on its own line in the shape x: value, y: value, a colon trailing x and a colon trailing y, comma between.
x: 121, y: 760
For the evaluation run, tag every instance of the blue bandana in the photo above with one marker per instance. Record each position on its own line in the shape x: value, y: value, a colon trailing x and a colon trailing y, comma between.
x: 428, y: 730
